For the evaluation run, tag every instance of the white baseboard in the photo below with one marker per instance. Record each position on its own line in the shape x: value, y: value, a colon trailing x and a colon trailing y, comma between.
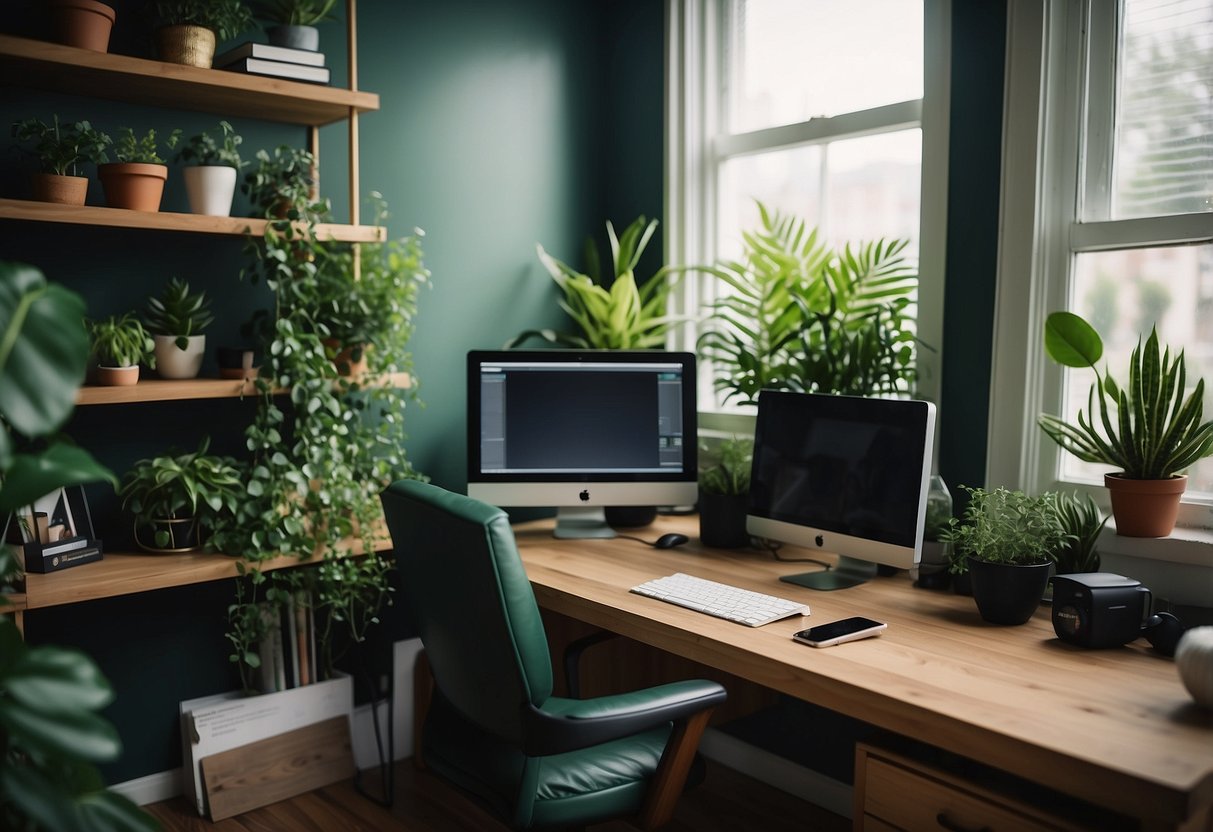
x: 778, y: 772
x: 165, y: 785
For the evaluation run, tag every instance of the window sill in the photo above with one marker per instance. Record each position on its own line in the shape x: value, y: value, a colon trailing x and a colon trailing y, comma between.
x: 1177, y: 569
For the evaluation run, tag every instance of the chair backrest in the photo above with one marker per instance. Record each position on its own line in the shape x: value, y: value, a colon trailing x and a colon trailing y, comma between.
x: 468, y: 594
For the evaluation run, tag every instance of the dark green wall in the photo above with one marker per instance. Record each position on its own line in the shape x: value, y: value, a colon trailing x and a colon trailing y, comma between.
x: 502, y: 125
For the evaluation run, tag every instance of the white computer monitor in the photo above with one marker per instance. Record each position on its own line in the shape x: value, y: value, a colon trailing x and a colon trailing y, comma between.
x: 845, y: 475
x: 580, y: 430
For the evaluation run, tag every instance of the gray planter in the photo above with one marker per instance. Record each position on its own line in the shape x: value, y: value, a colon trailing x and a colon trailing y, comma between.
x: 294, y: 37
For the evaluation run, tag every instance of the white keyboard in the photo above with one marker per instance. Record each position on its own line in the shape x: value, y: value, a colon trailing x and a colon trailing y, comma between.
x: 721, y: 600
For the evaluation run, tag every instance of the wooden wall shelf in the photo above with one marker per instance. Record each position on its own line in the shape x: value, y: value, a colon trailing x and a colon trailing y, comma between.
x: 52, y: 66
x: 129, y: 574
x: 24, y: 209
x: 163, y: 390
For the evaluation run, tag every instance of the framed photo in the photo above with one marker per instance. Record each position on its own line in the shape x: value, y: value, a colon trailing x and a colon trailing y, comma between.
x: 59, y: 515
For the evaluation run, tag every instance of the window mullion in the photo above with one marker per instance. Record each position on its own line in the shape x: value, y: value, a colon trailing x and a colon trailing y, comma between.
x: 1102, y: 22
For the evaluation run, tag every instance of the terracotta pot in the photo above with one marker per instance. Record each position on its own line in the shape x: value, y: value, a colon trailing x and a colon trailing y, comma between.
x: 85, y: 24
x: 63, y: 190
x: 133, y: 185
x: 189, y: 45
x: 174, y: 362
x: 350, y: 361
x: 1145, y: 508
x: 118, y: 376
x: 210, y: 189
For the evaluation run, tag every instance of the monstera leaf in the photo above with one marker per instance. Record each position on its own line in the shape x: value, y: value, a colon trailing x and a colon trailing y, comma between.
x: 43, y: 354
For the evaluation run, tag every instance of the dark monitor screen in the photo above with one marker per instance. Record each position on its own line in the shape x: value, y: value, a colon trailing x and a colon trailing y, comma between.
x: 546, y: 425
x: 843, y: 473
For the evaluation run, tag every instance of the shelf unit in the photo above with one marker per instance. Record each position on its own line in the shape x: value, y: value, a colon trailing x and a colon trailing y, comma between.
x: 65, y: 69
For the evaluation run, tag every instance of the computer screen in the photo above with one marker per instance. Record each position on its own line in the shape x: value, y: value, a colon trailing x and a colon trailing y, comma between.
x: 842, y: 474
x: 579, y: 430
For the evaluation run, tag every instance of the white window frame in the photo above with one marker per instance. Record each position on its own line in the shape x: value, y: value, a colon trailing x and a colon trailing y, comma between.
x: 1046, y: 71
x: 697, y: 145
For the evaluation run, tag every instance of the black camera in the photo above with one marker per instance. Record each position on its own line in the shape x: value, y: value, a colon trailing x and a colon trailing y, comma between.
x: 1100, y: 609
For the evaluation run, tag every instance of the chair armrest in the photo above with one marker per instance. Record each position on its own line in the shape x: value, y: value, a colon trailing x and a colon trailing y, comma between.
x: 569, y: 724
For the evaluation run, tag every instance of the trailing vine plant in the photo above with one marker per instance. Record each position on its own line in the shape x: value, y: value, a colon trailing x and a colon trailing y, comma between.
x: 318, y: 466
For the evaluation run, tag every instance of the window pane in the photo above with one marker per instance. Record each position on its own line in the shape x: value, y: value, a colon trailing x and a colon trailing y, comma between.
x: 1124, y: 293
x: 793, y: 60
x: 856, y: 189
x: 1163, y: 161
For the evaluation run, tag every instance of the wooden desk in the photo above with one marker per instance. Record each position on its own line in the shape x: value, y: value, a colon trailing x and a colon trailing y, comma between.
x: 1112, y: 727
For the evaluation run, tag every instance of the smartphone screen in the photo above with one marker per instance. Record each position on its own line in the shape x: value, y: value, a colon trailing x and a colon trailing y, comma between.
x: 836, y: 632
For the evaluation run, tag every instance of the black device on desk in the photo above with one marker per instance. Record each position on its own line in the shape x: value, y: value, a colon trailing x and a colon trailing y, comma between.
x: 842, y: 474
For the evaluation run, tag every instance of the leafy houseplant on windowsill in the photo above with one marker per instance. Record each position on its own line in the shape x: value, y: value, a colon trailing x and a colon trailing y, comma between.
x: 176, y: 499
x: 136, y: 180
x: 120, y: 343
x: 61, y: 150
x: 176, y: 320
x: 1151, y: 433
x: 798, y: 316
x: 1009, y: 540
x: 210, y: 178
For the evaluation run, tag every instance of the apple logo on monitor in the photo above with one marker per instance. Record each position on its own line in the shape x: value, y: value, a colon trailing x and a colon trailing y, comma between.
x: 821, y: 540
x: 584, y: 496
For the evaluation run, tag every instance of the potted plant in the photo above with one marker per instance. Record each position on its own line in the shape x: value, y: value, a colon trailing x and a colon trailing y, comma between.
x: 615, y: 311
x: 176, y: 320
x: 210, y: 178
x: 1083, y: 521
x: 280, y: 185
x: 50, y: 696
x: 136, y: 180
x: 1150, y: 432
x: 119, y: 343
x: 798, y: 316
x: 1009, y: 541
x: 175, y: 499
x: 85, y: 24
x: 295, y: 21
x: 724, y: 490
x: 188, y: 30
x: 61, y: 150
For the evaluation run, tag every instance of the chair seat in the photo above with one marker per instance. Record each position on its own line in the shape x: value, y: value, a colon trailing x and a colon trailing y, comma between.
x: 602, y: 767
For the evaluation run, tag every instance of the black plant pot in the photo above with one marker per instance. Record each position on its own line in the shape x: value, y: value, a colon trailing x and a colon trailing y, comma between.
x: 294, y: 37
x: 722, y: 520
x: 962, y: 583
x: 1007, y: 593
x: 630, y: 517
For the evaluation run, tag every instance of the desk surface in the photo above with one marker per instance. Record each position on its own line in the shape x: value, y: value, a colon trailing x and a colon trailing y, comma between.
x: 1114, y: 727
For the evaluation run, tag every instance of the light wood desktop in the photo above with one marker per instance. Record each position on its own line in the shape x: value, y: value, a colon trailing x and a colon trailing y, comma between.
x: 1114, y: 727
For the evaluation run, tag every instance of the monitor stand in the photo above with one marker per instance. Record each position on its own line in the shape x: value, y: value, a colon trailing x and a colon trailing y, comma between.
x: 578, y: 523
x: 849, y: 572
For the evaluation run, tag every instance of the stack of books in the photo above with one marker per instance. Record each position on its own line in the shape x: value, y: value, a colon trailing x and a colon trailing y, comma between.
x: 275, y: 62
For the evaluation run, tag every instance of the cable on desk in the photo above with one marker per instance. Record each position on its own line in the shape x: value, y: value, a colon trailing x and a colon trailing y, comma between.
x: 773, y: 549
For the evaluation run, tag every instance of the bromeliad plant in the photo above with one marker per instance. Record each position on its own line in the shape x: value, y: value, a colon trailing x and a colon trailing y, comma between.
x: 614, y: 313
x: 795, y: 315
x: 1146, y: 428
x: 179, y: 313
x: 1083, y: 522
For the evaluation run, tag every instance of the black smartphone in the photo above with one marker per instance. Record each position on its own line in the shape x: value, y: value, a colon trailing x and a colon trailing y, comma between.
x: 836, y: 632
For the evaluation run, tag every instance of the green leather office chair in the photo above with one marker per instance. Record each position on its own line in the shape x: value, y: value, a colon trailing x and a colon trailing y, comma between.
x: 492, y: 725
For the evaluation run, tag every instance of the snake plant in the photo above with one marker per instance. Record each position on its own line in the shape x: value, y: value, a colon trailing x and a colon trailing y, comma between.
x: 1146, y: 428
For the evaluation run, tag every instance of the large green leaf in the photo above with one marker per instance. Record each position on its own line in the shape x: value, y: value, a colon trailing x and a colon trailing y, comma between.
x: 54, y: 680
x: 43, y: 350
x: 81, y: 735
x: 31, y: 476
x: 106, y: 811
x: 1071, y: 341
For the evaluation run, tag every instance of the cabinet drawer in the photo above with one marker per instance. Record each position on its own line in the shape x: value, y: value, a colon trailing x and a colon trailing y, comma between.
x: 916, y: 798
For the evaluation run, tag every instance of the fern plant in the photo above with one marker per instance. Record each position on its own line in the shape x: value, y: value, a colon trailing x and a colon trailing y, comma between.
x: 798, y: 316
x: 617, y: 313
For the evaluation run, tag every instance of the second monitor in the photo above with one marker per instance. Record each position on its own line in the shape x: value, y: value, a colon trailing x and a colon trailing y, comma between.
x: 844, y: 475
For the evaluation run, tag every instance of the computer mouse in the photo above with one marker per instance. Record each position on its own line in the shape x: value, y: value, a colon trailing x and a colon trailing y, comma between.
x: 669, y: 541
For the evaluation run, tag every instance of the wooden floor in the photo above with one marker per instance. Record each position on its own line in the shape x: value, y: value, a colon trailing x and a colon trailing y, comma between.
x: 725, y: 802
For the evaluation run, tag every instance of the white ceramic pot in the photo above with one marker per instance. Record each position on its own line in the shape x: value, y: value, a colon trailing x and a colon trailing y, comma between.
x: 210, y: 189
x: 174, y: 362
x: 1194, y: 658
